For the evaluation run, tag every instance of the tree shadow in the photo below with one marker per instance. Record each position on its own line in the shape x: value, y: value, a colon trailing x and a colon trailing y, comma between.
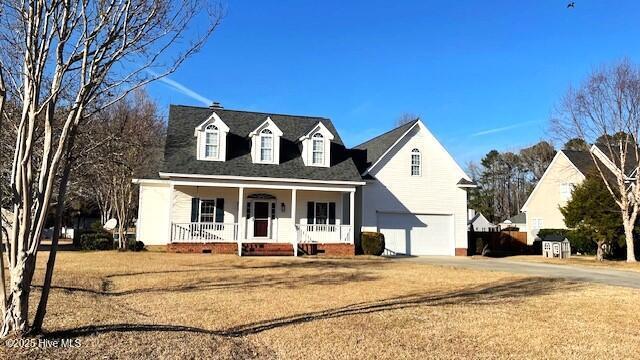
x: 503, y: 293
x: 285, y: 280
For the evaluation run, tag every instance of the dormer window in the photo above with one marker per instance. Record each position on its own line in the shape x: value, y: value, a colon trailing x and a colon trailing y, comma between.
x: 266, y: 145
x: 318, y: 149
x: 211, y: 139
x: 316, y: 146
x: 212, y: 142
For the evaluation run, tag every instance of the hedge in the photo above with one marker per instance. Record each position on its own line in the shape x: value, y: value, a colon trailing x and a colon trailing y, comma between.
x: 372, y: 243
x: 96, y: 241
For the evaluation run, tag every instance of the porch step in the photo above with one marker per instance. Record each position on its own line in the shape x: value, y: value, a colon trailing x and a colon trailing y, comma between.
x: 267, y: 249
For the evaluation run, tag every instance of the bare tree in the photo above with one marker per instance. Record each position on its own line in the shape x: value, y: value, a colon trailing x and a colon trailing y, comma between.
x: 607, y: 106
x: 406, y: 118
x: 83, y: 56
x: 3, y: 95
x: 134, y: 150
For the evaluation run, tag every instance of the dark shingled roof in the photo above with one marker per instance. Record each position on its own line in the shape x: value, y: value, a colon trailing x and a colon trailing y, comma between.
x: 465, y: 182
x: 180, y: 148
x: 581, y: 160
x: 518, y: 219
x: 367, y: 153
x: 631, y: 161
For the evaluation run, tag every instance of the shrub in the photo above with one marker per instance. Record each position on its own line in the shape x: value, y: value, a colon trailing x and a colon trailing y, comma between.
x: 372, y: 243
x: 96, y: 241
x: 543, y: 233
x: 580, y: 239
x: 135, y: 245
x: 581, y: 242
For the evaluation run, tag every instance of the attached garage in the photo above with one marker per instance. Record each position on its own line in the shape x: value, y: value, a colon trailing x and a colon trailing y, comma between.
x: 417, y: 234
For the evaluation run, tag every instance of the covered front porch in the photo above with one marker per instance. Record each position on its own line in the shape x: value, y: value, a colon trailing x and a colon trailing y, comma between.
x: 261, y: 218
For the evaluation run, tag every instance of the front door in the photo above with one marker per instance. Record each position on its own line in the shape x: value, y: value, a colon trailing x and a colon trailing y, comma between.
x: 261, y: 219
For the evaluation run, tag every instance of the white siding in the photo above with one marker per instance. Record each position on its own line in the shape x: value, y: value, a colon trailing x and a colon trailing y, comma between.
x: 153, y: 214
x: 284, y: 224
x: 435, y: 191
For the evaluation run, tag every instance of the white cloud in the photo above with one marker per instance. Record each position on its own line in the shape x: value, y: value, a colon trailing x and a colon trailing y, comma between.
x: 183, y: 89
x: 504, y: 128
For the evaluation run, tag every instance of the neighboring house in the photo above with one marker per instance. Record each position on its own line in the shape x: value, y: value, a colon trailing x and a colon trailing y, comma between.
x: 517, y: 221
x: 478, y: 222
x: 248, y: 183
x: 567, y: 169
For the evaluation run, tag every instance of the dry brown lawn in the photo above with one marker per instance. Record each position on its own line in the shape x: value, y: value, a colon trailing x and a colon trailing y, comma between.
x: 580, y: 260
x: 177, y: 306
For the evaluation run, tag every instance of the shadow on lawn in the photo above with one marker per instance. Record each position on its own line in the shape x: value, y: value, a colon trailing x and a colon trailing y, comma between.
x: 286, y: 280
x: 301, y: 263
x: 502, y: 293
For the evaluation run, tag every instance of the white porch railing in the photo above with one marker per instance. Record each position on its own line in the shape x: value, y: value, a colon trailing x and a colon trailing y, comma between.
x: 328, y: 234
x: 204, y: 232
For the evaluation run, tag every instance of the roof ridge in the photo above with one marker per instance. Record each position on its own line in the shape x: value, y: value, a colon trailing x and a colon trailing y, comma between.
x: 387, y: 132
x: 252, y: 112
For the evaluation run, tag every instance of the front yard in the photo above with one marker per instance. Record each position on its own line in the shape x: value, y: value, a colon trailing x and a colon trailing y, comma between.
x: 139, y: 305
x: 580, y: 260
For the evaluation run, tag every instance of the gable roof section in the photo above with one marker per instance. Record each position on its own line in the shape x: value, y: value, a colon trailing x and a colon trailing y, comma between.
x: 180, y: 148
x: 318, y: 127
x: 581, y: 160
x: 266, y: 124
x: 631, y: 160
x: 372, y: 150
x: 518, y: 219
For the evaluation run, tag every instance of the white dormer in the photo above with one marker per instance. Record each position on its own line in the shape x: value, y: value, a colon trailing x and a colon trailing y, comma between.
x: 316, y: 146
x: 211, y: 139
x: 265, y: 143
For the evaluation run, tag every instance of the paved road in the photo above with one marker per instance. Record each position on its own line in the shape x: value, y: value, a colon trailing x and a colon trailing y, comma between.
x: 577, y: 273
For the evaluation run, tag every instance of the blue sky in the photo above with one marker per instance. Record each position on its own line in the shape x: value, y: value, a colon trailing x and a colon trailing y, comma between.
x: 481, y: 74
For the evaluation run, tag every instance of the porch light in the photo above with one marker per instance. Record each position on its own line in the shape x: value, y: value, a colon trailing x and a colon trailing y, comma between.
x: 282, y: 207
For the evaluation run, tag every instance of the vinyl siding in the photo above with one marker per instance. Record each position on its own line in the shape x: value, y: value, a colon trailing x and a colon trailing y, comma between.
x: 284, y: 224
x: 435, y: 191
x: 153, y: 214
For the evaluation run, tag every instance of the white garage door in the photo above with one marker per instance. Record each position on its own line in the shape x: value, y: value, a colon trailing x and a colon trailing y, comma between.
x: 413, y: 234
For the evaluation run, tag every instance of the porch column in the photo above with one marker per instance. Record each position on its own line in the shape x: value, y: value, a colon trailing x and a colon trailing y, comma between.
x: 170, y: 214
x: 241, y: 220
x: 294, y: 200
x: 352, y: 198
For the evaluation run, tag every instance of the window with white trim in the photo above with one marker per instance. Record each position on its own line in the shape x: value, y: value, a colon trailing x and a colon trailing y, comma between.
x: 266, y: 145
x: 321, y: 213
x: 565, y: 191
x: 537, y: 224
x: 207, y: 211
x: 211, y: 142
x: 416, y: 163
x: 317, y: 157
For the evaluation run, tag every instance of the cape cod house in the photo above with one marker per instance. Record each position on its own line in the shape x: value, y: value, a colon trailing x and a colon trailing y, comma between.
x: 257, y: 183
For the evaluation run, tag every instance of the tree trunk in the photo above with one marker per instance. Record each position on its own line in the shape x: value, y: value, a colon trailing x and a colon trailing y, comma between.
x: 600, y: 251
x: 122, y: 237
x: 16, y: 317
x: 628, y: 234
x: 3, y: 284
x: 38, y: 321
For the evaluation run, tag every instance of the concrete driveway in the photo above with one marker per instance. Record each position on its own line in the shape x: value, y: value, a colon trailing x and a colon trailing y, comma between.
x: 614, y: 277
